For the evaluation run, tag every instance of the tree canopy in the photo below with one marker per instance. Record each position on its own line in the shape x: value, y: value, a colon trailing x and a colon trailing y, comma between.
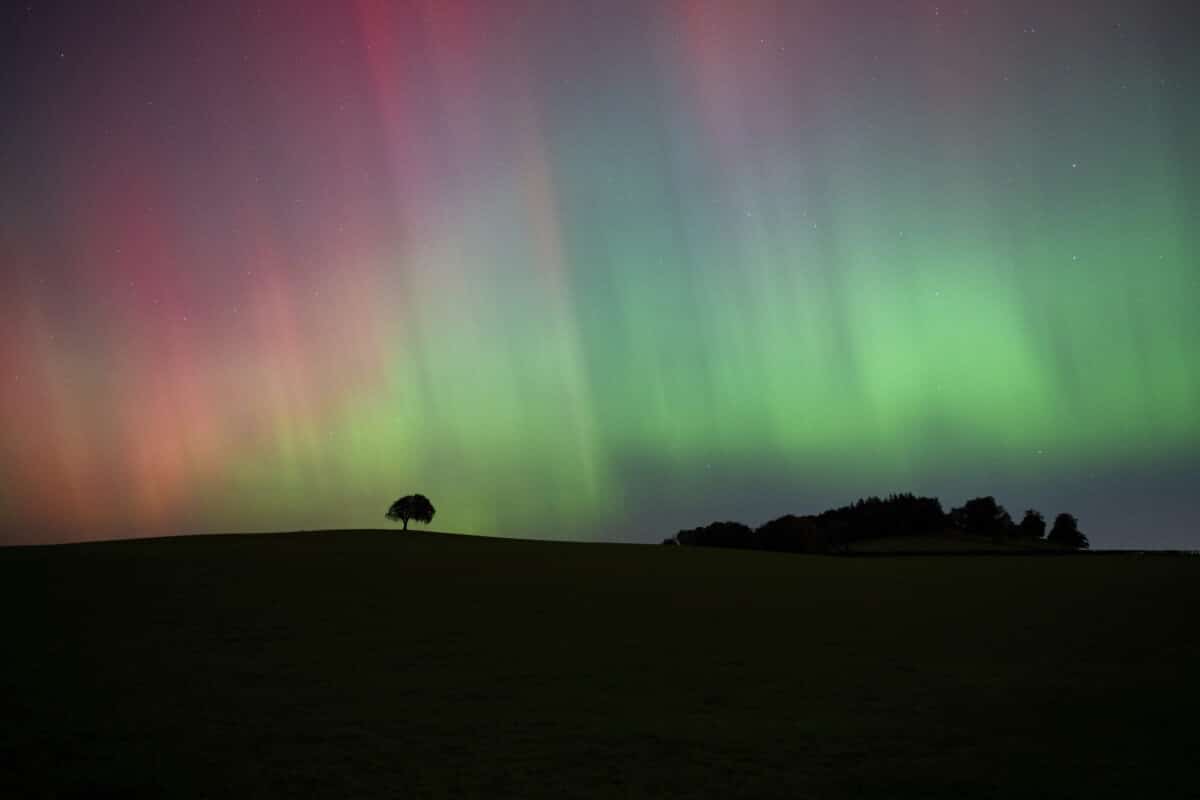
x: 897, y: 515
x: 1066, y: 533
x: 1033, y: 524
x: 415, y: 507
x: 983, y: 515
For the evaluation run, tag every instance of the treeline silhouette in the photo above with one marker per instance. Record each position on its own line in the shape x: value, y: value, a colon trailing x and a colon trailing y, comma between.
x: 905, y: 514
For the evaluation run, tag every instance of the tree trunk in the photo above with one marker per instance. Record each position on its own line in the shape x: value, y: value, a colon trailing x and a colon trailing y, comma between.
x: 406, y: 524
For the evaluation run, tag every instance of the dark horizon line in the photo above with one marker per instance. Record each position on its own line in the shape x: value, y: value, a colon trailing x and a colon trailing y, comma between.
x: 1109, y: 551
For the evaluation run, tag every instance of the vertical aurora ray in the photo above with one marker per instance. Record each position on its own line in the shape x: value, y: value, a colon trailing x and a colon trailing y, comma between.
x: 595, y: 271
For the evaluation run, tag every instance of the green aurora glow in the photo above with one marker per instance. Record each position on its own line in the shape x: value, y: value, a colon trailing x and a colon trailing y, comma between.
x: 729, y: 265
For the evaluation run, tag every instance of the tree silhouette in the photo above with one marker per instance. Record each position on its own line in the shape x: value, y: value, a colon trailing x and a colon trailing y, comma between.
x: 718, y: 534
x: 1033, y: 525
x: 983, y: 515
x: 1066, y: 533
x: 412, y: 506
x: 897, y: 515
x: 790, y: 534
x: 902, y: 514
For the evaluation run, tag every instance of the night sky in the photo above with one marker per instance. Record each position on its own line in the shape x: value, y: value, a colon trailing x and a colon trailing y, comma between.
x: 596, y: 270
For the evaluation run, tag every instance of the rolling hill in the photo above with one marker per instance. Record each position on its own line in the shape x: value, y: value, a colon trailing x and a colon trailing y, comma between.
x: 380, y: 664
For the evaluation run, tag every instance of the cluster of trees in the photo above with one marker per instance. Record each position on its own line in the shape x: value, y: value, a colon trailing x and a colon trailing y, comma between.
x: 984, y: 515
x: 874, y: 518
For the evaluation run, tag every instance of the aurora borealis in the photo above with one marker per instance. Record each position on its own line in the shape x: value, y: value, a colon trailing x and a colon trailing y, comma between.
x: 595, y: 270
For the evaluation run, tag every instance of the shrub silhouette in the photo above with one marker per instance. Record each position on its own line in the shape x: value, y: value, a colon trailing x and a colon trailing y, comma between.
x: 414, y: 507
x: 1066, y: 533
x: 1033, y: 525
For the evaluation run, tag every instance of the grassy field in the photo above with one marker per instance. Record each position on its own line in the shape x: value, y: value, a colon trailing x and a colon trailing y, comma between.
x: 384, y: 664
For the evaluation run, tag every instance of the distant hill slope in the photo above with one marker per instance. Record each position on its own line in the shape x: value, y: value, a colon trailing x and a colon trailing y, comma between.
x: 951, y: 543
x: 378, y: 664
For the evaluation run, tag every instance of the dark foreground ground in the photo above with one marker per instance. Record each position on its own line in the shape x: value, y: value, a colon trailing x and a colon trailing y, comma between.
x: 384, y: 664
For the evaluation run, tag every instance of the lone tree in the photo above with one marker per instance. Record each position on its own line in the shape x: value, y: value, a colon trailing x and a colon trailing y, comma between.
x: 1033, y: 525
x: 1066, y: 533
x: 412, y: 506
